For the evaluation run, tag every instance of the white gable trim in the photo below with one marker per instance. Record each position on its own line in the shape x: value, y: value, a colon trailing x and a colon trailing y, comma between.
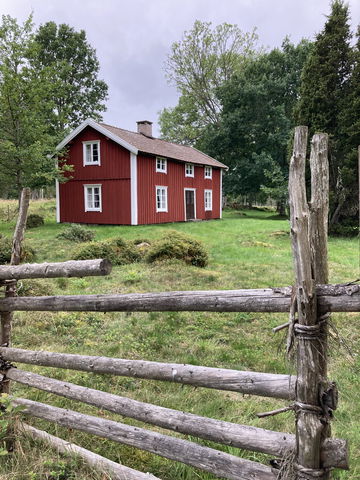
x: 91, y: 123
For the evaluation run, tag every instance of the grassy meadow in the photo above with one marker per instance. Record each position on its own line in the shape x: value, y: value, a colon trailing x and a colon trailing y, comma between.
x: 247, y: 249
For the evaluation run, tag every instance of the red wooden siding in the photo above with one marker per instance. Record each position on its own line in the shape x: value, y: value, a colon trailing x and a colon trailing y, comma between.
x: 115, y: 203
x: 176, y: 182
x: 113, y: 174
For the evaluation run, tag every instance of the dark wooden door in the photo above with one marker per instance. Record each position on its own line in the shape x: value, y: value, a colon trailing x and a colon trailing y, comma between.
x: 190, y: 204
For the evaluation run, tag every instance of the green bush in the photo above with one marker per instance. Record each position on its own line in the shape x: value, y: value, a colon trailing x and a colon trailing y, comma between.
x: 344, y: 229
x: 27, y: 252
x: 117, y: 250
x: 180, y: 246
x: 33, y: 220
x: 34, y: 288
x: 77, y: 233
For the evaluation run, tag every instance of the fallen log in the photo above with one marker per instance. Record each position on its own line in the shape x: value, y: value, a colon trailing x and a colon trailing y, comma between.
x: 334, y: 299
x: 252, y: 383
x: 213, y: 461
x: 115, y: 470
x: 240, y: 436
x: 71, y: 268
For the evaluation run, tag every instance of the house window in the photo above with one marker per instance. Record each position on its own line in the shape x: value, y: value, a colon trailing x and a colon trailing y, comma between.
x: 161, y: 199
x: 161, y: 164
x: 208, y: 199
x: 91, y: 153
x: 92, y: 198
x: 189, y: 170
x: 208, y: 172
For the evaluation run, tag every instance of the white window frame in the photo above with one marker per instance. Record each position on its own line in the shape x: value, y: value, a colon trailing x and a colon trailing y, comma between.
x: 190, y: 167
x: 85, y: 144
x: 87, y: 207
x: 207, y: 172
x: 163, y: 165
x: 208, y: 201
x: 165, y: 207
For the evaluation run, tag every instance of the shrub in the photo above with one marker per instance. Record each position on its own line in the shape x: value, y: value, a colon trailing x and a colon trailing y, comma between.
x: 34, y: 288
x: 117, y: 250
x: 77, y: 233
x: 34, y: 220
x: 180, y: 246
x: 27, y: 252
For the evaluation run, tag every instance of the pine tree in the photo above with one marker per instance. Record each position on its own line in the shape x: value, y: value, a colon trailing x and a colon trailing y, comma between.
x: 324, y: 88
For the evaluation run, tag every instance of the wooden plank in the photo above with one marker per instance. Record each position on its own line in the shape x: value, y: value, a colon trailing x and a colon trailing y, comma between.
x: 252, y: 300
x: 318, y: 235
x: 71, y: 268
x: 6, y: 316
x: 251, y: 383
x: 213, y: 461
x: 115, y: 470
x: 308, y: 425
x: 240, y: 436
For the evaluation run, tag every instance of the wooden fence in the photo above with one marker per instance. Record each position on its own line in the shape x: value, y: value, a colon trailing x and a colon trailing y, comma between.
x: 312, y: 397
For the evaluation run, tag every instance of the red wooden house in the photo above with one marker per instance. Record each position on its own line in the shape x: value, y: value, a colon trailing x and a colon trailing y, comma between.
x: 128, y: 178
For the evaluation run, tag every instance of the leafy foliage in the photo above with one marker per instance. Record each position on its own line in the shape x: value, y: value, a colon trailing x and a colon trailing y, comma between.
x: 201, y: 62
x: 25, y: 141
x: 77, y: 233
x: 178, y: 245
x: 256, y: 123
x: 73, y: 69
x: 34, y: 220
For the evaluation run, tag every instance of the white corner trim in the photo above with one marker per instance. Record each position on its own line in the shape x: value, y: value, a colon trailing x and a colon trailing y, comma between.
x: 133, y: 189
x: 57, y: 190
x: 221, y: 199
x: 91, y: 123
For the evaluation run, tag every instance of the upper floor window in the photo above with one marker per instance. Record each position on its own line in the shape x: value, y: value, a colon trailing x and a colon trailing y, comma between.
x: 91, y: 152
x: 208, y: 172
x: 208, y: 199
x: 189, y: 170
x: 161, y: 165
x: 161, y: 199
x: 92, y: 198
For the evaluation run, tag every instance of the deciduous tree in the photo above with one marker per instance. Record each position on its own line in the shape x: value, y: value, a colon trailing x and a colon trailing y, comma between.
x: 201, y: 62
x: 72, y: 64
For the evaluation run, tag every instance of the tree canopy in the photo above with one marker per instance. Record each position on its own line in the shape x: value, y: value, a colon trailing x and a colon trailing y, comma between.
x: 24, y: 137
x: 48, y: 81
x: 198, y: 65
x: 73, y: 68
x: 256, y: 121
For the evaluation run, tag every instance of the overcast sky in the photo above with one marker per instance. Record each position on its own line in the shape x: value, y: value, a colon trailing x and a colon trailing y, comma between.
x: 133, y: 37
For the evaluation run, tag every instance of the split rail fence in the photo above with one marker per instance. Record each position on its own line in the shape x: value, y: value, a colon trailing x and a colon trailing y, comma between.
x: 312, y: 396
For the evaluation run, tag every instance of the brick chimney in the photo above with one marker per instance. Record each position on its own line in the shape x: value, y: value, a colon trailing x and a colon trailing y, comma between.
x: 145, y: 128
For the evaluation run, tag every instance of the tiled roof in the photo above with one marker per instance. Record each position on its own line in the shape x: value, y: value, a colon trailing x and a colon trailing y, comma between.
x: 155, y: 146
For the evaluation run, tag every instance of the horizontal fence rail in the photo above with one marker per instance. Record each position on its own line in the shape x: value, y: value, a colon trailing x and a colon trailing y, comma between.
x: 71, y: 268
x: 252, y: 383
x: 333, y: 298
x: 205, y: 458
x: 240, y: 436
x: 115, y: 470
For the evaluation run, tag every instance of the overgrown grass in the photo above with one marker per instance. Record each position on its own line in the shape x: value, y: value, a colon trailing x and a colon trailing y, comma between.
x: 246, y: 250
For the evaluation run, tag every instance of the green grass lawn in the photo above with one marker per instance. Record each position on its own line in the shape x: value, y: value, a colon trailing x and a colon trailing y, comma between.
x: 247, y: 249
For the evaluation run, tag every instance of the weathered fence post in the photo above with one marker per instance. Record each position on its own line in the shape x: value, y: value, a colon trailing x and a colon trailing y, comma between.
x: 10, y: 290
x: 309, y: 426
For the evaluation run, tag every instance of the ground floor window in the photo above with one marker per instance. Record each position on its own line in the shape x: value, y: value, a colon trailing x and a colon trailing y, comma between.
x: 161, y: 199
x: 92, y: 198
x: 208, y: 199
